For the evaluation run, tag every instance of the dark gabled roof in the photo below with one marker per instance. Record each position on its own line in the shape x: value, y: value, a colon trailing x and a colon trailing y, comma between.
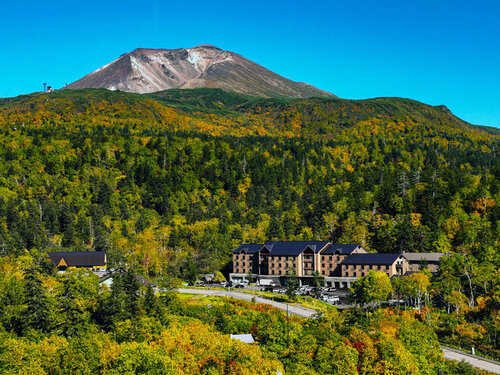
x: 371, y: 259
x: 340, y: 249
x: 294, y: 247
x: 79, y: 258
x: 248, y: 248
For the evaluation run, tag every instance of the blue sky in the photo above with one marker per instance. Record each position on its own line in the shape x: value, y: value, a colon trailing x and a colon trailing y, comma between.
x: 437, y: 52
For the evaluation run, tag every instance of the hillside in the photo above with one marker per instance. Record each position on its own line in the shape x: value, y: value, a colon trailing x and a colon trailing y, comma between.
x: 149, y: 70
x: 225, y: 169
x: 168, y: 184
x: 233, y: 114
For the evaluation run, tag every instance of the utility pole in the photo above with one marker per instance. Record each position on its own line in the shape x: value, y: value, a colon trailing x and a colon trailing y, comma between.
x: 287, y: 327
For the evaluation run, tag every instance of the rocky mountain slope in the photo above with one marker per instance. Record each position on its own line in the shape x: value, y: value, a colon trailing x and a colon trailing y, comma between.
x: 150, y: 70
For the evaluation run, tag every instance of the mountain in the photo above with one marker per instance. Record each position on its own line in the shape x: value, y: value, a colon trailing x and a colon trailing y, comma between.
x: 149, y: 70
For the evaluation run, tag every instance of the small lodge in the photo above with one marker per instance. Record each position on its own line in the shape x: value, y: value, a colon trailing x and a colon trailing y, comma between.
x: 273, y: 262
x: 92, y: 260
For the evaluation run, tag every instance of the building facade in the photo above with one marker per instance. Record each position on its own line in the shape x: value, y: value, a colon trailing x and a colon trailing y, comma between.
x: 332, y: 256
x: 338, y: 264
x: 358, y: 265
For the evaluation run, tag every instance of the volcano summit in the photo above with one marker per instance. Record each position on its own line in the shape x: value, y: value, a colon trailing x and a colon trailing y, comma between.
x: 149, y: 70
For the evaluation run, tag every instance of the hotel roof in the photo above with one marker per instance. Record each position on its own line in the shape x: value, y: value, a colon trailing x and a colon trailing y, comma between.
x: 371, y: 259
x: 418, y: 257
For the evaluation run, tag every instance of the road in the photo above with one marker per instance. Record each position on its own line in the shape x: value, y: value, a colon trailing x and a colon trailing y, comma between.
x: 449, y: 353
x: 479, y: 362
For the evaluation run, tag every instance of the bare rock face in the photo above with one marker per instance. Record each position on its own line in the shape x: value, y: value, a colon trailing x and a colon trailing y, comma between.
x: 149, y: 70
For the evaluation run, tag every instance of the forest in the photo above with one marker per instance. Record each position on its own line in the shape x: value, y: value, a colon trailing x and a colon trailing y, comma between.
x: 168, y: 184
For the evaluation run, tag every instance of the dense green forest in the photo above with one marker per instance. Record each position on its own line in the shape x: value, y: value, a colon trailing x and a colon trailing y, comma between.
x: 170, y: 183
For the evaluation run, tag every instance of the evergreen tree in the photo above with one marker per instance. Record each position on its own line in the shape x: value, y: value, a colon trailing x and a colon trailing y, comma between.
x: 37, y: 315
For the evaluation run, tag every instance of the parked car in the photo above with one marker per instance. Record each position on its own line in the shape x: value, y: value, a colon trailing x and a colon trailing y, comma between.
x: 333, y: 300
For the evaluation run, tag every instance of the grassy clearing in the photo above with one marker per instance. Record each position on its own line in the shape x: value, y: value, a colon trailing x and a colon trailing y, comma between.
x: 199, y: 299
x: 308, y: 302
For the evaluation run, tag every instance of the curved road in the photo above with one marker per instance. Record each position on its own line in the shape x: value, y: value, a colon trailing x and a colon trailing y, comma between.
x: 453, y: 354
x: 474, y: 360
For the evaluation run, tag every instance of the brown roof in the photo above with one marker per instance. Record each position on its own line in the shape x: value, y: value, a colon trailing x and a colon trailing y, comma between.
x: 418, y: 257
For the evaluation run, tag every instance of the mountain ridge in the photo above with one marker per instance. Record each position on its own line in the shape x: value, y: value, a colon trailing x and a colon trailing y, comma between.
x: 238, y: 114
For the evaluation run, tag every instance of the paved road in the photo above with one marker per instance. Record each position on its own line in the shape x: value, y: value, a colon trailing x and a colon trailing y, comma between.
x: 294, y: 310
x: 479, y: 362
